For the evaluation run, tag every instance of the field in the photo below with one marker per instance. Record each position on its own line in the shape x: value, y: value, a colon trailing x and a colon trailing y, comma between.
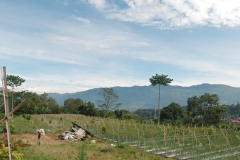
x: 51, y: 148
x: 133, y: 140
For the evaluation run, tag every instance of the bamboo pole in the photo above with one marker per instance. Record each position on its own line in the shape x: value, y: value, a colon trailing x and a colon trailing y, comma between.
x: 5, y: 94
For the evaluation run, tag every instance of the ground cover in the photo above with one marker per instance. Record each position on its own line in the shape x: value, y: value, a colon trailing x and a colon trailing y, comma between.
x: 137, y: 140
x: 51, y: 148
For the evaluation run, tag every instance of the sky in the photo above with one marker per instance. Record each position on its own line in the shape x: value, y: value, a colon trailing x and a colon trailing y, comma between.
x: 68, y: 46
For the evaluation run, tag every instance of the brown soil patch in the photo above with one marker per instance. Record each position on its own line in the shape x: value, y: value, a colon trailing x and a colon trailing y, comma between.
x: 31, y: 139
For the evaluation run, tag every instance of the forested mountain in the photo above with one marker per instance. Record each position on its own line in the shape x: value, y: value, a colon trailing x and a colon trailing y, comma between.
x: 136, y: 97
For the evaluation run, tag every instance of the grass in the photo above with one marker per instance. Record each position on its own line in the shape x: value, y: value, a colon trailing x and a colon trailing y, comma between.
x: 52, y: 148
x: 194, y: 142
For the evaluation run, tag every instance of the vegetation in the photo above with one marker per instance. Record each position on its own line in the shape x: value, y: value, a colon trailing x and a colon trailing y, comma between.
x: 14, y: 81
x: 133, y: 140
x: 205, y: 109
x: 109, y: 101
x: 234, y: 110
x: 173, y: 112
x: 195, y: 131
x: 160, y: 80
x: 4, y: 154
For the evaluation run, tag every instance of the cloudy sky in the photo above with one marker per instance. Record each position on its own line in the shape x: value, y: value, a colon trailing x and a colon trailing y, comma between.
x: 69, y: 46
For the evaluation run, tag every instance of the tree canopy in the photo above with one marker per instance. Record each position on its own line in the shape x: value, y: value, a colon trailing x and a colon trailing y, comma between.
x: 14, y: 81
x: 205, y: 109
x: 173, y: 112
x: 160, y: 80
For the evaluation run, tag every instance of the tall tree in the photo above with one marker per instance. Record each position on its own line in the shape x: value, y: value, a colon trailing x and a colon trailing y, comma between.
x: 14, y: 81
x: 53, y: 106
x: 206, y: 107
x: 109, y: 101
x: 160, y: 80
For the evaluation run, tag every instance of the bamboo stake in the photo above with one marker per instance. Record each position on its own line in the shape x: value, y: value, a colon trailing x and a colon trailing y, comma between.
x: 5, y: 94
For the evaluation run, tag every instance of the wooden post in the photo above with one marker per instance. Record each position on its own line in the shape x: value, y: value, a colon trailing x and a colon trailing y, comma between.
x: 5, y: 95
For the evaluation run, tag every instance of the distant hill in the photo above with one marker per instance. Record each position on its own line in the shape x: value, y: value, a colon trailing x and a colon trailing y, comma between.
x: 136, y: 97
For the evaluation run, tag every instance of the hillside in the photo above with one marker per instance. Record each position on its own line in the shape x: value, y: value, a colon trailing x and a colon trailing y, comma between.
x: 136, y: 97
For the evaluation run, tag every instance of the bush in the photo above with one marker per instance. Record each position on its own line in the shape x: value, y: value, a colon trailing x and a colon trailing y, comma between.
x: 2, y: 115
x: 211, y: 130
x: 3, y: 128
x: 26, y: 116
x: 104, y: 129
x: 81, y: 153
x: 122, y: 146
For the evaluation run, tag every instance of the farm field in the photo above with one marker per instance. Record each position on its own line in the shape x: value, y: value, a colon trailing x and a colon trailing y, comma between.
x: 51, y: 148
x: 135, y: 140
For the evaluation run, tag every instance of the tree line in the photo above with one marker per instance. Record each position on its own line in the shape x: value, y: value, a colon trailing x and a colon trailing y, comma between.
x: 201, y: 110
x: 43, y: 104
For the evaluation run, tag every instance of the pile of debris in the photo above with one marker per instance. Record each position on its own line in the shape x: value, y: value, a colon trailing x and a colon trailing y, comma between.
x: 75, y: 132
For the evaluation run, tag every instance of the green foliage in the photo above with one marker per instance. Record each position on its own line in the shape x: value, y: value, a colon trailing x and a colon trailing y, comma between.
x: 4, y: 154
x: 205, y: 107
x: 123, y: 114
x: 87, y: 109
x: 26, y: 116
x: 122, y: 146
x: 172, y: 112
x: 77, y: 105
x: 234, y: 110
x: 72, y: 105
x: 211, y: 130
x: 104, y: 129
x: 35, y: 104
x: 93, y: 120
x: 14, y: 81
x: 160, y: 80
x: 4, y: 130
x: 2, y: 115
x: 81, y: 153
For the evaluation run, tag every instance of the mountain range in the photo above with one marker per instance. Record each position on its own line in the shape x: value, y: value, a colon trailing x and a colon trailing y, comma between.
x: 135, y: 97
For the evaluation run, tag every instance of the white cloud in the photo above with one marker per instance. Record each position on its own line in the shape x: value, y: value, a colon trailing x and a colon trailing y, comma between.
x: 170, y: 14
x: 81, y: 19
x: 99, y: 4
x: 70, y: 82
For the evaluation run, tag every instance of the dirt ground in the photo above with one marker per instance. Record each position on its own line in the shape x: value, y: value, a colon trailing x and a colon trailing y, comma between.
x: 32, y: 138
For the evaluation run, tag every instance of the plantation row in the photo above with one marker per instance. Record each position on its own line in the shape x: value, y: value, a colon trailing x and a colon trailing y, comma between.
x: 182, y: 142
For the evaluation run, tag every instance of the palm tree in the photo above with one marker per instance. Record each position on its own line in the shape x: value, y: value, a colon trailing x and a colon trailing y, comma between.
x: 160, y: 80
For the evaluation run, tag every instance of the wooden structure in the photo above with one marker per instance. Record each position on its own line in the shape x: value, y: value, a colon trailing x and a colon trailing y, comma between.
x: 6, y: 107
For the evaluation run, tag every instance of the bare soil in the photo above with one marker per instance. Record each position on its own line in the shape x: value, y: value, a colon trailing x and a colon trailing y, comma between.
x: 32, y: 138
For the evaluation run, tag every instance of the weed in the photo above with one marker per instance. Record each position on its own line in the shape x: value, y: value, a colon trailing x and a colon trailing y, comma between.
x: 122, y: 146
x: 81, y: 153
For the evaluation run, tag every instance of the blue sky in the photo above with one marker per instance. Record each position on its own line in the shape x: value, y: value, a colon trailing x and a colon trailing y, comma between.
x: 68, y: 46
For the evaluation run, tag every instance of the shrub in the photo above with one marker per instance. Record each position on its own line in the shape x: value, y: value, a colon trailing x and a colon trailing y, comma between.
x: 2, y: 115
x: 81, y: 153
x: 15, y: 154
x: 122, y: 146
x: 211, y: 130
x: 26, y: 116
x: 3, y: 128
x: 104, y: 129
